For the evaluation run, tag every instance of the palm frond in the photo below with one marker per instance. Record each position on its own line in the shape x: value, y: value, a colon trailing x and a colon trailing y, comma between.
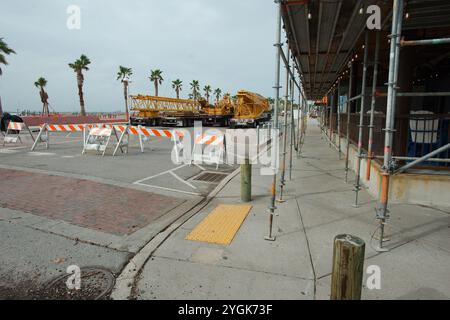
x: 41, y: 82
x: 4, y: 47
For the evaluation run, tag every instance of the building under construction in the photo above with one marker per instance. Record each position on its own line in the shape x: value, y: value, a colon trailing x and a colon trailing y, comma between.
x: 380, y: 71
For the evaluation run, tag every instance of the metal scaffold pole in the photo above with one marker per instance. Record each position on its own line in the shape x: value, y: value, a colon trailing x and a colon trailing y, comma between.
x: 347, y: 153
x: 275, y: 136
x: 370, y: 153
x: 397, y: 19
x: 339, y: 117
x: 331, y: 101
x: 361, y: 119
x: 299, y: 121
x: 286, y: 101
x: 292, y: 131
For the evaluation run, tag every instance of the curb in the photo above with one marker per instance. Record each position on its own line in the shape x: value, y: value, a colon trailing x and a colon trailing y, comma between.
x: 125, y: 281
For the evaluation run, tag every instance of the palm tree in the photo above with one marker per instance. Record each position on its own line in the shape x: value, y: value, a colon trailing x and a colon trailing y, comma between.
x: 124, y: 76
x: 177, y: 85
x: 195, y: 87
x: 78, y: 66
x: 156, y: 77
x: 41, y: 83
x: 4, y: 51
x: 207, y: 90
x: 218, y: 94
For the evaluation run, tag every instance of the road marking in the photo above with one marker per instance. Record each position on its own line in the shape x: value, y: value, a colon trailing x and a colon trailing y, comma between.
x: 8, y: 151
x: 41, y: 154
x: 17, y: 148
x: 183, y: 181
x: 172, y: 173
x: 52, y: 143
x: 160, y: 174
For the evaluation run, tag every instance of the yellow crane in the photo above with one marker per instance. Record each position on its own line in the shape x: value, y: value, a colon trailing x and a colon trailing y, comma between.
x: 154, y: 111
x: 250, y: 110
x: 220, y: 113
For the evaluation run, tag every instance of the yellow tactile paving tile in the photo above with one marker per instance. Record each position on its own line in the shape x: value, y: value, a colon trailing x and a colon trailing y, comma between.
x: 221, y: 225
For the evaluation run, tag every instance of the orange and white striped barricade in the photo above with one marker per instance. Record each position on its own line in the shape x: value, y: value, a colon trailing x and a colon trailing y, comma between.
x: 88, y: 127
x: 13, y: 132
x: 99, y: 137
x: 209, y: 148
x: 142, y: 132
x: 175, y: 135
x: 44, y: 133
x: 125, y: 132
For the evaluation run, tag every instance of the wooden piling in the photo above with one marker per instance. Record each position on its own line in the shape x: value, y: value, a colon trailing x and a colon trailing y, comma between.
x: 348, y: 268
x: 246, y: 181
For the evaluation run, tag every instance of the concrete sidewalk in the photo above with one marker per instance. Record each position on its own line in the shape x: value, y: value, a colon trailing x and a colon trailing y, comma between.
x: 298, y: 264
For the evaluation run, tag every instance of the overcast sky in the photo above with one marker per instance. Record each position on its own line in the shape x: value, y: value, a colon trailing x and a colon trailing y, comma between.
x: 226, y: 44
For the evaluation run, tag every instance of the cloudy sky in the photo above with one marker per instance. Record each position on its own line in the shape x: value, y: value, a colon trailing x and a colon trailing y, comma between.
x: 226, y: 44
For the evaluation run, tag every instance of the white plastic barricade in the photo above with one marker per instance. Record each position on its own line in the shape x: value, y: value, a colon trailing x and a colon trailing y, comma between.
x: 98, y: 139
x: 178, y: 146
x: 13, y: 132
x: 209, y: 148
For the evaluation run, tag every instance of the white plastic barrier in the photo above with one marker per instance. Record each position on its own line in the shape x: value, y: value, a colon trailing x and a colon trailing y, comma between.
x: 14, y: 137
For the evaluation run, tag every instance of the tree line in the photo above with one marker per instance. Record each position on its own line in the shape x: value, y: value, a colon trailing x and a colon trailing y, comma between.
x: 81, y: 65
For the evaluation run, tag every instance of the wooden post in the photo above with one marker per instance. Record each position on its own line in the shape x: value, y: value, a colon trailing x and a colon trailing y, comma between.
x: 246, y: 181
x: 348, y: 265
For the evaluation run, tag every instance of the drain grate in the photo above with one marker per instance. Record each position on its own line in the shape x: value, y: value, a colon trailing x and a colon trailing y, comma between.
x: 210, y: 177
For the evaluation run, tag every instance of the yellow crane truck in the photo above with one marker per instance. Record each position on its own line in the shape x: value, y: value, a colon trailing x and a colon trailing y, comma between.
x: 249, y: 110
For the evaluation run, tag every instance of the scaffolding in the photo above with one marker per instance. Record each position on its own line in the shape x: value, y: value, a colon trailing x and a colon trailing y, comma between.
x: 290, y: 85
x: 340, y: 63
x: 389, y: 164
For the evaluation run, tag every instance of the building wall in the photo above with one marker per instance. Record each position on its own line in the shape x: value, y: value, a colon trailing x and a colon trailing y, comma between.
x: 423, y: 189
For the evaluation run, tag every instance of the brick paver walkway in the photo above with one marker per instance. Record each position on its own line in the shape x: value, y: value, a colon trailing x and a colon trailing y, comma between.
x: 84, y: 203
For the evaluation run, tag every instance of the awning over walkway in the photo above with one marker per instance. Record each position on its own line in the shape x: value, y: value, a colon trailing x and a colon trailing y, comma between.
x: 323, y: 34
